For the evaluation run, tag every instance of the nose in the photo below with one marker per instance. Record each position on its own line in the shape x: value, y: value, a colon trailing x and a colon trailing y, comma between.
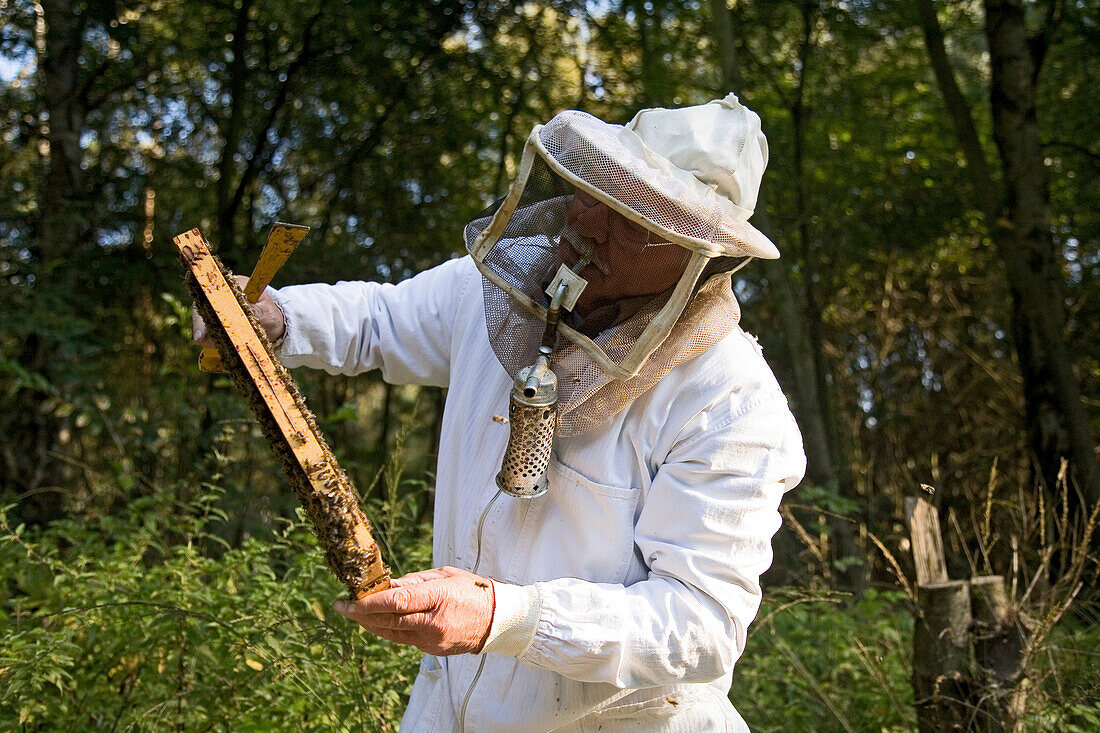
x: 589, y: 217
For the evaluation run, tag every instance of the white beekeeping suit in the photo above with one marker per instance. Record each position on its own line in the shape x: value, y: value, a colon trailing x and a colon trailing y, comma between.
x: 623, y: 594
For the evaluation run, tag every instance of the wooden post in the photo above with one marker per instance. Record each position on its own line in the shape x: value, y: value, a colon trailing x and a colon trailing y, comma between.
x: 924, y: 531
x: 941, y: 637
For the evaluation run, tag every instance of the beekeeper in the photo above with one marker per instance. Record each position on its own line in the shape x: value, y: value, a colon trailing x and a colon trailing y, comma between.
x: 617, y: 600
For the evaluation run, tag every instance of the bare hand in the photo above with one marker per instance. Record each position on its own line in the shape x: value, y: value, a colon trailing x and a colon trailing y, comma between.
x: 267, y: 313
x: 442, y: 611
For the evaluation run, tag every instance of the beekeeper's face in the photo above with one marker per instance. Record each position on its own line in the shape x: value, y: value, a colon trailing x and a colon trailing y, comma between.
x: 632, y: 261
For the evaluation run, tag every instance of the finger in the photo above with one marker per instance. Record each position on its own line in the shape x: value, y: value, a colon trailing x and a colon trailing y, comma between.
x: 421, y: 576
x: 400, y: 637
x: 450, y: 570
x: 420, y: 622
x: 408, y: 599
x: 199, y: 332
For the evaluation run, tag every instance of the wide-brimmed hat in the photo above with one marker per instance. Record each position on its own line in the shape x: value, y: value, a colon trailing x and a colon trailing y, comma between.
x: 691, y: 174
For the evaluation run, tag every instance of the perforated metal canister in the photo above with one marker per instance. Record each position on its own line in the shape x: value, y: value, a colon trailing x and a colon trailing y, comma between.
x: 532, y: 412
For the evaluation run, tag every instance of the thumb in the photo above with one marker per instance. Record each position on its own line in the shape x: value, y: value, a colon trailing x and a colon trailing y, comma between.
x: 198, y: 327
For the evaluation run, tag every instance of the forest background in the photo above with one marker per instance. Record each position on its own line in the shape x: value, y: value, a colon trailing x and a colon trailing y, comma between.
x: 933, y: 320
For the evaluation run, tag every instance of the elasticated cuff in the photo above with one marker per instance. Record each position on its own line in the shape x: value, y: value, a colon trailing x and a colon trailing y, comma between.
x: 515, y: 619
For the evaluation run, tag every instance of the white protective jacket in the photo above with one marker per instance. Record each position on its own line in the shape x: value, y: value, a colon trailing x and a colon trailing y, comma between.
x: 624, y: 593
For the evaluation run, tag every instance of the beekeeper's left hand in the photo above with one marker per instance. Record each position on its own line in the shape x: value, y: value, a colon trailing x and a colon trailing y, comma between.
x: 267, y: 313
x: 441, y: 611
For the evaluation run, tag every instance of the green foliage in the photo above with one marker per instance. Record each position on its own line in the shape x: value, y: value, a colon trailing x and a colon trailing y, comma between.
x: 1067, y: 698
x: 149, y: 621
x: 831, y: 662
x: 1075, y: 717
x: 817, y: 663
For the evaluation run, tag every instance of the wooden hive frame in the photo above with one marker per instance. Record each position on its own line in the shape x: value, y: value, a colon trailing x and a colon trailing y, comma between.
x: 321, y: 486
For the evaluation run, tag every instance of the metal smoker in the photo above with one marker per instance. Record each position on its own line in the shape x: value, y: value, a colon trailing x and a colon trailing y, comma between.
x: 533, y: 406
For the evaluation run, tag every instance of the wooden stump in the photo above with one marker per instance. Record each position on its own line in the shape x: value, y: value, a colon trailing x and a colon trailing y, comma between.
x: 941, y: 657
x: 999, y: 647
x: 969, y: 646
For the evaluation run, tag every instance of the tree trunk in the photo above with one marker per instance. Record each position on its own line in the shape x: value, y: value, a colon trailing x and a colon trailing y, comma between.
x: 809, y: 400
x: 62, y: 199
x: 64, y: 228
x: 1000, y: 648
x: 804, y: 389
x: 796, y: 334
x: 1017, y: 212
x: 231, y: 132
x: 941, y: 657
x: 807, y: 328
x: 650, y: 61
x: 1057, y: 426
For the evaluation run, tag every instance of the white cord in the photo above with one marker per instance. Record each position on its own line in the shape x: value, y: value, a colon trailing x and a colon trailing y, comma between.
x: 477, y: 564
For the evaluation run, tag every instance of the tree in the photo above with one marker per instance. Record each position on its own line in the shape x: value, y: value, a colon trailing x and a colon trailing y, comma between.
x: 64, y: 213
x: 1016, y: 210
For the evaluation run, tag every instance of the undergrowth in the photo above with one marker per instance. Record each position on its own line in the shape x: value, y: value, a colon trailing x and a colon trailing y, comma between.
x: 819, y: 661
x: 825, y: 662
x: 148, y: 621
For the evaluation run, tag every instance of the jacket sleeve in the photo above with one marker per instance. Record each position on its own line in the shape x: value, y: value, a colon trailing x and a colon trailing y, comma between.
x: 405, y: 330
x: 705, y: 532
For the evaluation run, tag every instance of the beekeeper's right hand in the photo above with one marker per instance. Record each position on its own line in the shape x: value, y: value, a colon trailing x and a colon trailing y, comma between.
x: 267, y: 313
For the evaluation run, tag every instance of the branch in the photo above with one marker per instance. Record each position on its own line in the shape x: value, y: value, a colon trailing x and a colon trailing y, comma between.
x: 344, y: 172
x: 97, y: 101
x: 1039, y: 43
x: 1075, y: 147
x: 959, y: 111
x: 280, y: 99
